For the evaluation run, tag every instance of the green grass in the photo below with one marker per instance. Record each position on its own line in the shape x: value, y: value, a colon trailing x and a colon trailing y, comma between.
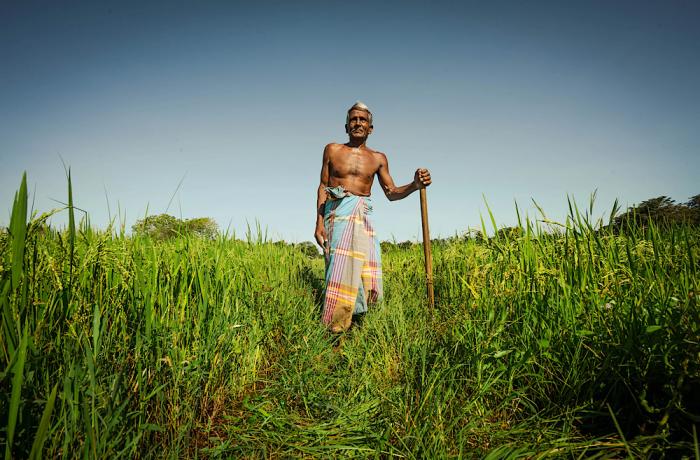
x: 574, y: 344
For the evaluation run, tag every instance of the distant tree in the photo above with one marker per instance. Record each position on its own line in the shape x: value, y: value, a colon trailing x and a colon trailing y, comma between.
x: 694, y: 202
x: 510, y: 233
x: 661, y: 210
x: 387, y: 246
x: 160, y: 227
x: 444, y: 242
x: 308, y: 248
x: 204, y: 227
x: 165, y: 226
x: 435, y: 242
x: 693, y: 205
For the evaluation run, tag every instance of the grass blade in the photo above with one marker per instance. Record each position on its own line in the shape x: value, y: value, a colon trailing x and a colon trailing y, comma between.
x: 40, y: 437
x: 17, y: 381
x: 619, y: 431
x: 18, y: 229
x: 71, y: 231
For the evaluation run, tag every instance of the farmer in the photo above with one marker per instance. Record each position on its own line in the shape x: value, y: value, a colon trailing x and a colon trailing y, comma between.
x: 343, y: 227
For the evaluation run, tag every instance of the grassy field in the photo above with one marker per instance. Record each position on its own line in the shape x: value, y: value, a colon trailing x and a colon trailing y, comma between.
x: 573, y: 343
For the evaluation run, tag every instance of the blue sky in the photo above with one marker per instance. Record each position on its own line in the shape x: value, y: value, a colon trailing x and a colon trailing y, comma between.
x: 507, y: 100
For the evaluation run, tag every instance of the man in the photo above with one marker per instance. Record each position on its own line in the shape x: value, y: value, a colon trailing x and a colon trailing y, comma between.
x: 343, y: 228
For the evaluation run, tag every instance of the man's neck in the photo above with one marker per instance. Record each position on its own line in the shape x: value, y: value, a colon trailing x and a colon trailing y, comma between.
x: 358, y: 143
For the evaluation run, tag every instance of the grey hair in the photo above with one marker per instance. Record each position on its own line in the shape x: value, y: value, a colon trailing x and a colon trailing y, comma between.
x: 358, y: 106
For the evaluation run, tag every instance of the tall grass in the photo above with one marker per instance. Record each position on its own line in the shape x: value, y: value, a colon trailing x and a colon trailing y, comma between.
x: 569, y: 343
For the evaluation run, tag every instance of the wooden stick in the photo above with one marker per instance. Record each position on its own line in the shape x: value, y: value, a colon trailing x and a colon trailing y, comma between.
x: 426, y: 247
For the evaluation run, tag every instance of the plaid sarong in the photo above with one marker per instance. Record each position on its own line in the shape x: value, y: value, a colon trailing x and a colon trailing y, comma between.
x: 353, y: 263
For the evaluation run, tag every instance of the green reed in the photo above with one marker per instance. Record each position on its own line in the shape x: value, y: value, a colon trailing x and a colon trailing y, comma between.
x: 552, y: 340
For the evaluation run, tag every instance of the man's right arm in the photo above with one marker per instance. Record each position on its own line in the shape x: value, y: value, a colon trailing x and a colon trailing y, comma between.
x: 320, y: 233
x: 421, y: 179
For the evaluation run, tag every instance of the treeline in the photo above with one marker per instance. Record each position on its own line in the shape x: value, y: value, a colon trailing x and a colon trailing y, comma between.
x: 663, y: 211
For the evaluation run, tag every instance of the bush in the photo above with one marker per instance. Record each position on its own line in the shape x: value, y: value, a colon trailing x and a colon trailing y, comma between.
x: 308, y: 249
x: 165, y: 226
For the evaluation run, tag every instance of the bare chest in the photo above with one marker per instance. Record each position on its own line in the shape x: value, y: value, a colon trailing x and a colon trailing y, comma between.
x: 353, y: 163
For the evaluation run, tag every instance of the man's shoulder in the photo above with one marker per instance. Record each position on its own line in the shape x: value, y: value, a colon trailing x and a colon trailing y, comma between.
x: 378, y: 155
x: 331, y: 150
x: 333, y: 146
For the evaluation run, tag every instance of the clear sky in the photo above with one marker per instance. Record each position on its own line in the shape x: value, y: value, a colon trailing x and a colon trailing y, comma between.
x: 507, y: 100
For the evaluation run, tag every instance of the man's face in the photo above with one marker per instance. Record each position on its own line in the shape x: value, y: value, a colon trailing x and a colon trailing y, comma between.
x: 358, y: 124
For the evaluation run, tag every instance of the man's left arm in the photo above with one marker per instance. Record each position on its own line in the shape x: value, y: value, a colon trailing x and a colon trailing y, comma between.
x: 421, y: 179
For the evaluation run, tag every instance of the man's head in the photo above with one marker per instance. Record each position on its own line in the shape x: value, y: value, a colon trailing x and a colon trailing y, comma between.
x: 361, y: 107
x: 358, y: 120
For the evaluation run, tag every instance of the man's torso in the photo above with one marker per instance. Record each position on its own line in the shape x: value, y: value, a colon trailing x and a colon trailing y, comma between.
x: 353, y: 168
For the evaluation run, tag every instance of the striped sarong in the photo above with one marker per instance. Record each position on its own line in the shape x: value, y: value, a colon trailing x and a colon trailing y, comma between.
x: 353, y: 263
